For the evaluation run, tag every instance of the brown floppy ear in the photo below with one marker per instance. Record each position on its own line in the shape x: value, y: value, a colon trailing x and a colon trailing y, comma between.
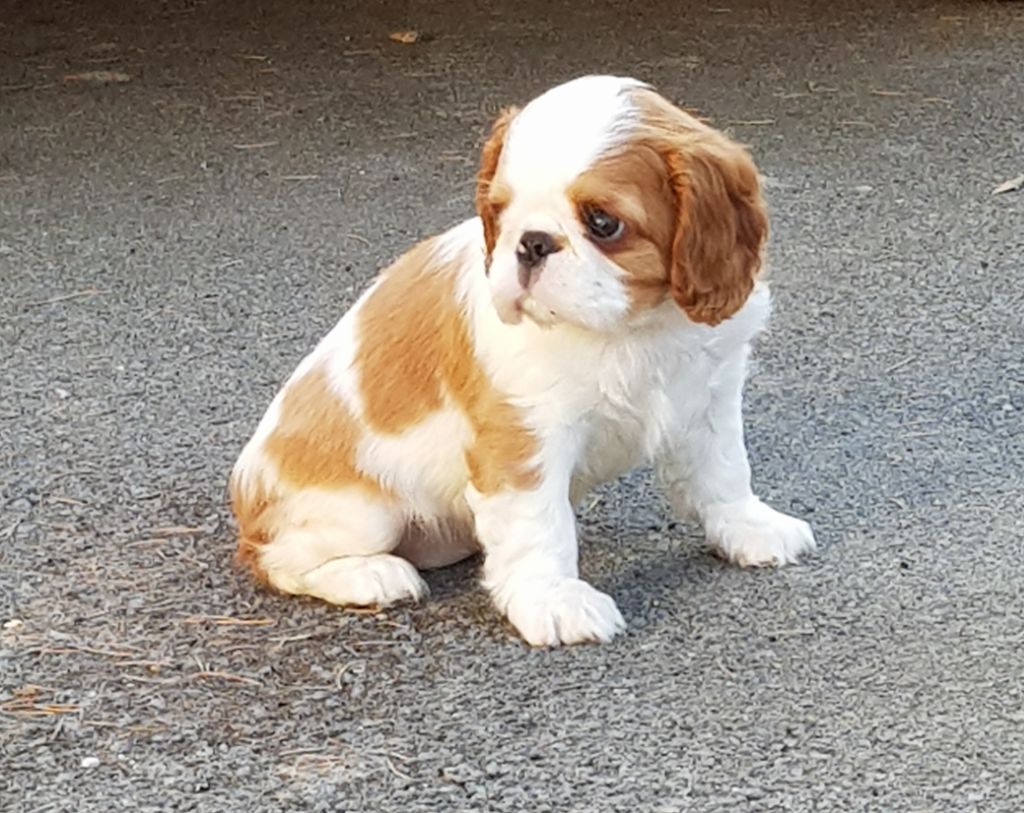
x: 489, y: 158
x: 721, y: 226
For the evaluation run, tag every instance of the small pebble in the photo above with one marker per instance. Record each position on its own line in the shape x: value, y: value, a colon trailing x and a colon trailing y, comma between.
x: 90, y: 762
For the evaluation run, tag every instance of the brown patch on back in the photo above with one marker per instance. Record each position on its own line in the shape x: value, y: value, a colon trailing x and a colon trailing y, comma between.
x: 403, y: 338
x: 414, y: 356
x: 314, y: 442
x: 415, y: 351
x: 312, y: 445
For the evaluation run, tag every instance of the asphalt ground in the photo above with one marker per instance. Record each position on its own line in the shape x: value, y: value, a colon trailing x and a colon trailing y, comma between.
x: 174, y: 235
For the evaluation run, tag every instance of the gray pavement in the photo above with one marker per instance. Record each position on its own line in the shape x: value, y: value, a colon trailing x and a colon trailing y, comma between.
x: 170, y: 245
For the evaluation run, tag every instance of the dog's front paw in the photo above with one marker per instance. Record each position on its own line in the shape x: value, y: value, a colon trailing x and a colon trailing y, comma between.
x: 752, y: 534
x: 568, y: 611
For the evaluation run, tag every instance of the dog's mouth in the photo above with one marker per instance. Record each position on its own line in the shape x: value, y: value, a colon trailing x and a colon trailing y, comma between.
x: 512, y: 311
x: 540, y: 314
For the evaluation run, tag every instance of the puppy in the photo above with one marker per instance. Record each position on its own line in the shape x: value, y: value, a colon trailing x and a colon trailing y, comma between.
x: 595, y: 316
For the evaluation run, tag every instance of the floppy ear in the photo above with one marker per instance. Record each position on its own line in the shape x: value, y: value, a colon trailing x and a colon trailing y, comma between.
x: 721, y: 226
x: 489, y: 158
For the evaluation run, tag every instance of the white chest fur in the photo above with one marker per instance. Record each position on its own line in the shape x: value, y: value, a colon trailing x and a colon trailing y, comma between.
x: 616, y: 399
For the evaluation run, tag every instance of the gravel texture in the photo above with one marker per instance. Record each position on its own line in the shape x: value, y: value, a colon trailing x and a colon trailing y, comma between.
x: 171, y: 244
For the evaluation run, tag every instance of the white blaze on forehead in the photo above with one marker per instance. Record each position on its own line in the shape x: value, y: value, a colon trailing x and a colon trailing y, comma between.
x: 565, y: 130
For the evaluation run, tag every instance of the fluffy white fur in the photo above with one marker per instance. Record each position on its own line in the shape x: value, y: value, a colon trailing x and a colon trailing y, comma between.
x: 603, y: 389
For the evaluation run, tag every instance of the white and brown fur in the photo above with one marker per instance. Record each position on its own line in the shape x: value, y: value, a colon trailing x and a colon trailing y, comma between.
x: 466, y: 404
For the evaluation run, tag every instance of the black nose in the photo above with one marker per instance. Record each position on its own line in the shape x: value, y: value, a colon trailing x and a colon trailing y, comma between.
x: 534, y: 246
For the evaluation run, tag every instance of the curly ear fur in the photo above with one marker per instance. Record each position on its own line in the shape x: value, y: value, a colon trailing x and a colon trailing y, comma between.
x: 490, y: 155
x: 721, y: 218
x: 721, y: 227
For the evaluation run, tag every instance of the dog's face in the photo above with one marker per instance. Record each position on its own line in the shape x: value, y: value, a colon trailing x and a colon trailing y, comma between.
x: 600, y: 200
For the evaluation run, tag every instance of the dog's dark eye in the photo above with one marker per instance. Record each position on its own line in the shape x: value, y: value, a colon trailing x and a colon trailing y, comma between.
x: 603, y: 226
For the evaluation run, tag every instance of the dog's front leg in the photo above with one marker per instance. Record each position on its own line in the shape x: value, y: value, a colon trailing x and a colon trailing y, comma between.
x: 704, y: 469
x: 531, y: 569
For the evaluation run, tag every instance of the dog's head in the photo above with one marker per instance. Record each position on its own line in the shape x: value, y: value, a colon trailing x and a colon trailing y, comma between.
x: 600, y: 200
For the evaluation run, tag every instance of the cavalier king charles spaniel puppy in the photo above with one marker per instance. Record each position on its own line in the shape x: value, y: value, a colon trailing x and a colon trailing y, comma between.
x: 596, y: 315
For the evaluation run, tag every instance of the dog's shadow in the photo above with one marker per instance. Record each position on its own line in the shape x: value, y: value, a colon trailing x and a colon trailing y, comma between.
x: 630, y: 548
x: 646, y: 582
x: 452, y: 583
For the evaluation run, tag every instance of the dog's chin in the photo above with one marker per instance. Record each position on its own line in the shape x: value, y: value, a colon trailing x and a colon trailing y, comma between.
x: 513, y: 311
x: 509, y: 310
x: 539, y: 313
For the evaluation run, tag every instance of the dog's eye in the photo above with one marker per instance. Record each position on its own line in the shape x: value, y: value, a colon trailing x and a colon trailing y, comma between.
x: 603, y: 226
